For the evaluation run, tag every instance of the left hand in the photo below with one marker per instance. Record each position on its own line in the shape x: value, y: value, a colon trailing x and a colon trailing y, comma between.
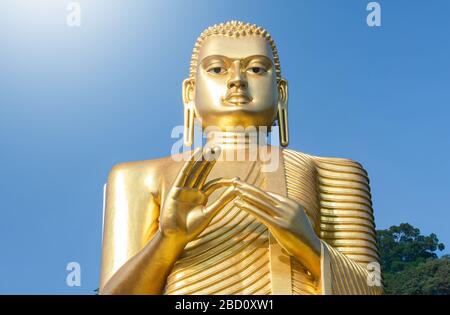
x: 285, y: 219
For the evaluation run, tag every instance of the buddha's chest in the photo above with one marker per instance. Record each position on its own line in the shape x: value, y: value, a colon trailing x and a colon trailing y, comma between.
x: 235, y: 253
x: 231, y: 256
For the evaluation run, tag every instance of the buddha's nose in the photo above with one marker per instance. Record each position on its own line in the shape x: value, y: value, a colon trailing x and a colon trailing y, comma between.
x: 237, y: 79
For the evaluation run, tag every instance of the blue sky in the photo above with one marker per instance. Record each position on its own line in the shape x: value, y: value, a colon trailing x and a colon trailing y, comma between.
x: 76, y: 101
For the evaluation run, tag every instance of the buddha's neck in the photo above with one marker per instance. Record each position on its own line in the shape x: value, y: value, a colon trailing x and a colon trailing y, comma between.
x: 236, y: 140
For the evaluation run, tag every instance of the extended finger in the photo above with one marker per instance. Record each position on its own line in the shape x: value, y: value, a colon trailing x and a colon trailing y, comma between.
x: 265, y: 218
x: 228, y: 195
x: 217, y: 183
x: 211, y: 157
x: 283, y: 198
x: 183, y: 173
x: 197, y: 168
x: 261, y: 204
x: 253, y: 190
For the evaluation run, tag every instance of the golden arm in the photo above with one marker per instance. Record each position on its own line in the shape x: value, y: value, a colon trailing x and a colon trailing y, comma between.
x: 131, y: 218
x: 147, y: 271
x: 183, y: 216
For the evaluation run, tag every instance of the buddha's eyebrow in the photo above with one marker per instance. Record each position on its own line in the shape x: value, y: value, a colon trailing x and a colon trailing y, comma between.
x: 261, y: 58
x: 246, y: 60
x: 215, y: 57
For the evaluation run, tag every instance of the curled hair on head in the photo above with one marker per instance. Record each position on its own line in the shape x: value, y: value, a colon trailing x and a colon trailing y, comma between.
x: 234, y: 29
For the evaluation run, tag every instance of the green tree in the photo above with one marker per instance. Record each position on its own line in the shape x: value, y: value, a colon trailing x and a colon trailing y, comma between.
x: 430, y: 277
x: 409, y: 261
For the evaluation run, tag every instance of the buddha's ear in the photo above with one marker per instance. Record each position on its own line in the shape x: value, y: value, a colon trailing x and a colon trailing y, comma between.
x: 283, y: 93
x: 189, y: 111
x: 188, y: 90
x: 283, y: 112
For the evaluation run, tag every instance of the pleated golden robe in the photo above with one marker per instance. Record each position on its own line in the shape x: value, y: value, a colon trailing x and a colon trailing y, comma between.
x: 236, y: 254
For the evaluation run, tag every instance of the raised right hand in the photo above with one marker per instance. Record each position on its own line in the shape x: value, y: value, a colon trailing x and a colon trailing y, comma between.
x: 184, y: 214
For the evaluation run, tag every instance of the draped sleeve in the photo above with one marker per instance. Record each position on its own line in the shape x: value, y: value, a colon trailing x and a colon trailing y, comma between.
x: 350, y: 262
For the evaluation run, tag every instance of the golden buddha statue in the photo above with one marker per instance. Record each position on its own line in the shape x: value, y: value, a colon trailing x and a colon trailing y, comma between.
x: 214, y: 225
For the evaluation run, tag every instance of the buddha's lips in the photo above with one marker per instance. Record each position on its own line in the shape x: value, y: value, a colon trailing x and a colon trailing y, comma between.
x: 237, y: 98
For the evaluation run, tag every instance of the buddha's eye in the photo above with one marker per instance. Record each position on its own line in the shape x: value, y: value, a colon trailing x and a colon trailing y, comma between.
x: 256, y: 70
x: 217, y: 70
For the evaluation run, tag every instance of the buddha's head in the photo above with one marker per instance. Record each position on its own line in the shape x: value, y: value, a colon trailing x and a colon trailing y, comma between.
x: 235, y: 80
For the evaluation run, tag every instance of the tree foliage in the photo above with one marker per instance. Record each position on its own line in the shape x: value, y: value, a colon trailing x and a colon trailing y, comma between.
x: 430, y: 277
x: 410, y: 263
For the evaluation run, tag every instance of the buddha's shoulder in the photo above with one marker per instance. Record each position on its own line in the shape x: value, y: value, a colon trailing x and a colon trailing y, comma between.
x: 137, y: 167
x: 326, y: 163
x: 146, y: 172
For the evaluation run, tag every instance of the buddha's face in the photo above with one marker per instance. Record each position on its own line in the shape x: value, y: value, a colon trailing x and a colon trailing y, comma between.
x: 235, y: 83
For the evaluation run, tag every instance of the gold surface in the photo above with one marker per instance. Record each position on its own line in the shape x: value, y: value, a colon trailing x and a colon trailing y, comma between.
x: 215, y: 226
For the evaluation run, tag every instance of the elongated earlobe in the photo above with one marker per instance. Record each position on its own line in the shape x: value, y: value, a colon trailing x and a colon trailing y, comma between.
x: 188, y: 125
x: 189, y: 112
x: 283, y: 112
x: 283, y: 122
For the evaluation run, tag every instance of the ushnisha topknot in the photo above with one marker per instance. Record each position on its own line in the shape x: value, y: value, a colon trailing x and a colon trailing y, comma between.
x: 234, y: 29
